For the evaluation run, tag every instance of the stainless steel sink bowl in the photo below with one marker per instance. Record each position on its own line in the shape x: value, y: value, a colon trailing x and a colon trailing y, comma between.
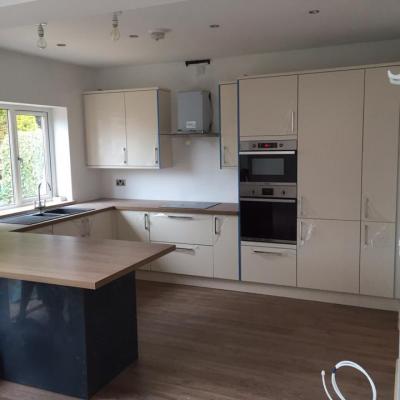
x: 68, y: 211
x: 36, y: 218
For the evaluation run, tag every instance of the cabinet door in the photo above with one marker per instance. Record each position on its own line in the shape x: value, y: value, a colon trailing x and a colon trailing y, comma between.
x: 328, y: 255
x: 181, y: 228
x: 377, y: 259
x: 135, y: 226
x: 330, y: 144
x: 268, y: 106
x: 381, y: 134
x: 74, y: 227
x: 187, y: 260
x: 101, y: 225
x: 105, y: 129
x: 228, y: 122
x: 142, y: 128
x: 269, y: 265
x: 226, y: 247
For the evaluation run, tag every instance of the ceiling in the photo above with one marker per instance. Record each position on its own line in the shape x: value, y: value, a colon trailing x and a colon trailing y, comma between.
x: 246, y: 26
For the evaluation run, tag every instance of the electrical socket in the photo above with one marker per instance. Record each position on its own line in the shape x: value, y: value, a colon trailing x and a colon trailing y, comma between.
x: 120, y: 182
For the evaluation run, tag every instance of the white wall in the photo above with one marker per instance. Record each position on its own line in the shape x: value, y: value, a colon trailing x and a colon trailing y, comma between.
x: 34, y: 80
x: 196, y: 175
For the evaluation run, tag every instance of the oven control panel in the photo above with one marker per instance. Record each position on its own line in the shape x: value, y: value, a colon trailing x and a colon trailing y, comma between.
x: 268, y: 191
x: 268, y: 145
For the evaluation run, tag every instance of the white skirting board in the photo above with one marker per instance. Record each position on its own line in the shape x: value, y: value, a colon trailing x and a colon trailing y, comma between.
x: 271, y: 290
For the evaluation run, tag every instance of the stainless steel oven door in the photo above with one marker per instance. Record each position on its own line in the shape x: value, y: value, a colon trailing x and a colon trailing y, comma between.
x: 268, y: 220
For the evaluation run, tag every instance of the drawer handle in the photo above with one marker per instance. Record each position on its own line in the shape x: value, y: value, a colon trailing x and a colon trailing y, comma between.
x: 179, y: 217
x: 184, y: 250
x: 274, y: 253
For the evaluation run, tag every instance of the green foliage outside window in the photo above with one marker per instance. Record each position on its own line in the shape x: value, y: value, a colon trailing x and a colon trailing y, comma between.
x: 31, y: 152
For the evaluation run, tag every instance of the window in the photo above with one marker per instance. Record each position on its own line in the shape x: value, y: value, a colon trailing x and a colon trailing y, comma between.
x: 24, y: 155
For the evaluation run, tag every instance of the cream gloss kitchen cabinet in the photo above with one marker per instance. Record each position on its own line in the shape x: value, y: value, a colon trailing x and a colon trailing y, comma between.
x: 134, y: 226
x: 96, y: 226
x: 379, y: 183
x: 127, y: 128
x: 228, y: 124
x: 226, y: 249
x: 330, y: 144
x: 268, y: 106
x: 328, y: 255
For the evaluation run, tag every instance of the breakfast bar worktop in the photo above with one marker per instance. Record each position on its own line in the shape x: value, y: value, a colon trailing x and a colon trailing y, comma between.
x: 72, y: 261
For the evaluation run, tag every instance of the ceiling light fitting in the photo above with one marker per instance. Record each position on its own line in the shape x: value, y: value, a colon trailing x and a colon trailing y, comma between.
x: 133, y: 36
x: 158, y: 34
x: 314, y: 12
x: 115, y: 33
x: 41, y: 42
x: 61, y: 45
x: 214, y: 26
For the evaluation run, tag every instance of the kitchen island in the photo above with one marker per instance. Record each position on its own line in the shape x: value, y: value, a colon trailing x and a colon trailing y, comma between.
x: 68, y: 309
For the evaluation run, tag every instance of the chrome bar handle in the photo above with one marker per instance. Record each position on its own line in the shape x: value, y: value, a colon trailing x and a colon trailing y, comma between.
x: 184, y: 250
x: 268, y: 252
x: 156, y: 153
x: 301, y: 202
x: 216, y: 230
x: 179, y: 217
x: 301, y: 233
x: 293, y: 115
x: 366, y: 208
x: 146, y: 222
x: 224, y: 156
x: 366, y: 235
x: 125, y: 155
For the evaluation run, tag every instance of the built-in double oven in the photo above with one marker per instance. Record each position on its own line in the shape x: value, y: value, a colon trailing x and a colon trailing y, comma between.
x: 268, y: 191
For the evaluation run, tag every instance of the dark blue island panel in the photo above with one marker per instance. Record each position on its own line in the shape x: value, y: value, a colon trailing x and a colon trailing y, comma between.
x: 64, y: 339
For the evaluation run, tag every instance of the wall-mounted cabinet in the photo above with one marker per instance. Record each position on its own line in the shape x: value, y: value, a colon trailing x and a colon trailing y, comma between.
x: 228, y: 102
x: 268, y: 106
x: 126, y: 129
x: 330, y: 144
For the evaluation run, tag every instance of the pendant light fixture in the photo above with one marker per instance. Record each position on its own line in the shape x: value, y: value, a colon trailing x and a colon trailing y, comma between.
x: 41, y: 42
x: 115, y: 33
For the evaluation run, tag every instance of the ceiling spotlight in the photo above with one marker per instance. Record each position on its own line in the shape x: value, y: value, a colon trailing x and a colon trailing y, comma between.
x: 61, y: 45
x: 213, y: 26
x: 133, y: 36
x: 41, y: 42
x: 115, y: 33
x: 158, y: 34
x: 314, y: 12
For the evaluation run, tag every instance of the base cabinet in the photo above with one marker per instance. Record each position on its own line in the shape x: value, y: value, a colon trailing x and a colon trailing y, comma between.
x: 194, y: 260
x: 328, y: 255
x: 135, y: 226
x: 74, y: 227
x: 45, y: 230
x: 377, y: 259
x: 270, y: 265
x: 226, y: 248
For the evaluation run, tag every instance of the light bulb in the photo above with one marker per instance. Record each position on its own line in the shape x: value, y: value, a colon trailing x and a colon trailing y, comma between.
x: 41, y: 42
x: 115, y: 33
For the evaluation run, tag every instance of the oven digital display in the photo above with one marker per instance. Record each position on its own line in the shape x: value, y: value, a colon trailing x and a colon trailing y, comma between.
x: 267, y: 192
x: 268, y: 145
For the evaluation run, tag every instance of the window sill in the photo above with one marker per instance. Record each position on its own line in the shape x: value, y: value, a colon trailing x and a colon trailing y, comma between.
x: 30, y: 207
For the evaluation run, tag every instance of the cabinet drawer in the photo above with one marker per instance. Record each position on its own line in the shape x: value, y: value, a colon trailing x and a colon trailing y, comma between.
x: 188, y: 260
x: 269, y: 265
x: 181, y: 228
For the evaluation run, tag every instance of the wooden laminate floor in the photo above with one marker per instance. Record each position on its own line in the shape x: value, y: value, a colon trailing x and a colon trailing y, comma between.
x: 206, y: 344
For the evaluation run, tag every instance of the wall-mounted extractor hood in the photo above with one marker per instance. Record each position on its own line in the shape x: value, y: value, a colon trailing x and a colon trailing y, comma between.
x: 194, y: 112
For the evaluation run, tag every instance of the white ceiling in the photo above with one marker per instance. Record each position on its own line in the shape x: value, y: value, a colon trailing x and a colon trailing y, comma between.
x: 247, y: 26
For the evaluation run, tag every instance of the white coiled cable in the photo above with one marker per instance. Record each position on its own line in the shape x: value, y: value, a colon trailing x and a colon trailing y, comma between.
x: 350, y: 364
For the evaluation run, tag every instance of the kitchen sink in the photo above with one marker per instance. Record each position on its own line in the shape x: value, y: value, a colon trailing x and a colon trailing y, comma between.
x: 68, y: 211
x: 36, y: 218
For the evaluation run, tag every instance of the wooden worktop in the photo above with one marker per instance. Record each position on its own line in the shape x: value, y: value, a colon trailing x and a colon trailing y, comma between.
x: 72, y: 261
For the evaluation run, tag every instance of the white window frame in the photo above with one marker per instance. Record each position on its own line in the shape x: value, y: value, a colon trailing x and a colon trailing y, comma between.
x: 13, y: 111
